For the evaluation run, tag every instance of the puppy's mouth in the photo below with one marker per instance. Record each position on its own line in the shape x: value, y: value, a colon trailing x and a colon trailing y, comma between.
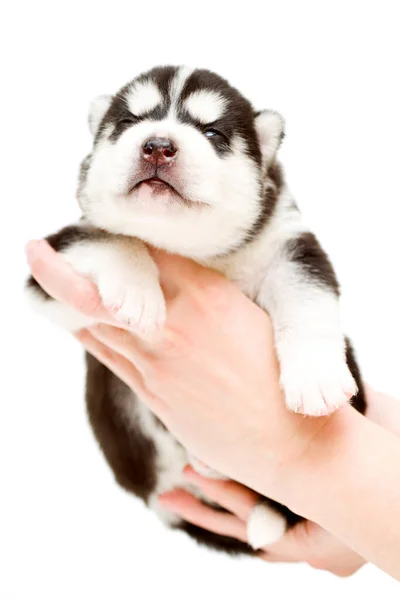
x: 157, y: 184
x: 160, y: 187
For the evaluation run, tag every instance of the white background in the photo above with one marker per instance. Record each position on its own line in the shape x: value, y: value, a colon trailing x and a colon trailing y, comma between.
x: 332, y: 69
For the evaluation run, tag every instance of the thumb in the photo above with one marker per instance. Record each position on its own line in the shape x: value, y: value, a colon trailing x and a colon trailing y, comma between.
x: 309, y: 543
x: 296, y: 545
x: 180, y: 274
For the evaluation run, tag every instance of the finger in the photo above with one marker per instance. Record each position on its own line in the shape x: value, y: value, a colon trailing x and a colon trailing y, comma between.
x: 295, y: 545
x: 62, y: 283
x: 309, y: 543
x: 347, y: 571
x: 231, y: 495
x: 176, y: 272
x: 124, y: 343
x: 193, y: 510
x: 269, y: 556
x: 338, y: 570
x: 119, y: 365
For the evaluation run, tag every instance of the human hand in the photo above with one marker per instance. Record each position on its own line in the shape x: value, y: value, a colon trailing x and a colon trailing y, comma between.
x: 211, y: 375
x: 206, y: 377
x: 306, y: 542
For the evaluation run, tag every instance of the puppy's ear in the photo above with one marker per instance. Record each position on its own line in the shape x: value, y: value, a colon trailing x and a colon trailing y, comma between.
x: 270, y: 127
x: 97, y: 109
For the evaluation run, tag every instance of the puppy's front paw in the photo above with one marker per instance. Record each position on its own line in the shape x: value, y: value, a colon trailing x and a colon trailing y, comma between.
x: 139, y: 305
x: 316, y: 382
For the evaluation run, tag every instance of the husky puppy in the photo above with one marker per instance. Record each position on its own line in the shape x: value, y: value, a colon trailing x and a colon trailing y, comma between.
x: 182, y: 161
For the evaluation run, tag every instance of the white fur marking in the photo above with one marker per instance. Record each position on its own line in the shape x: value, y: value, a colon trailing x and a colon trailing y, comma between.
x: 265, y: 526
x: 177, y: 86
x: 205, y: 106
x: 143, y: 97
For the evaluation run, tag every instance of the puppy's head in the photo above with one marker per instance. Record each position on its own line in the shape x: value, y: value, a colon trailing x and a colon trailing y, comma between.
x: 180, y: 160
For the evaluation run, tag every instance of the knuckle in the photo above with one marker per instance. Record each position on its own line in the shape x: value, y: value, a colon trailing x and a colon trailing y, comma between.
x: 213, y: 291
x: 302, y: 534
x: 174, y: 344
x: 304, y: 539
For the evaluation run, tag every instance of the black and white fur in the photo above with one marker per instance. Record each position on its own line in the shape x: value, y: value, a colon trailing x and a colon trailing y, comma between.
x: 181, y: 161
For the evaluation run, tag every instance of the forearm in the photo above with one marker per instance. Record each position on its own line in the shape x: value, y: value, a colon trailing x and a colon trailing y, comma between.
x: 349, y: 483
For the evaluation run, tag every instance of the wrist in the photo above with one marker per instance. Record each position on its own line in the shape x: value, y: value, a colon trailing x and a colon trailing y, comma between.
x: 323, y: 457
x: 349, y: 485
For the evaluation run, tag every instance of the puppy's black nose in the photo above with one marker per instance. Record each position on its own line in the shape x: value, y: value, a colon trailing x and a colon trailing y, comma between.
x: 159, y: 150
